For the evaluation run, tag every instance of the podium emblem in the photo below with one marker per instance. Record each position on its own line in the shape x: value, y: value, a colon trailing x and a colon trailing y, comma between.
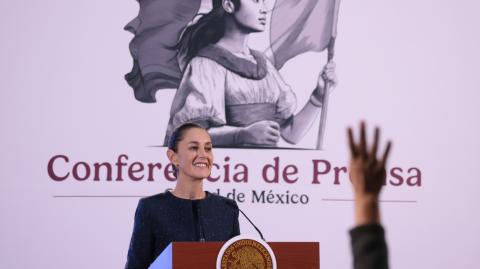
x: 244, y: 252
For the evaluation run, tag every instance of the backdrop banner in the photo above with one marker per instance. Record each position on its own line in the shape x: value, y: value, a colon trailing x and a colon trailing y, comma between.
x: 81, y: 145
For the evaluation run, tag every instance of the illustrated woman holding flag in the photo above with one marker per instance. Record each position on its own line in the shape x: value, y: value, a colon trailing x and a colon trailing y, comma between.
x: 236, y: 92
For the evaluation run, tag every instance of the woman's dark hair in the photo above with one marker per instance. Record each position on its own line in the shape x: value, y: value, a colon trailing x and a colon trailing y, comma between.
x: 207, y: 30
x: 178, y: 134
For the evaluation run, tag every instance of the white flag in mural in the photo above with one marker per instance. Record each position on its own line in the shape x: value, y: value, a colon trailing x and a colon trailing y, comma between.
x: 299, y: 26
x: 157, y: 28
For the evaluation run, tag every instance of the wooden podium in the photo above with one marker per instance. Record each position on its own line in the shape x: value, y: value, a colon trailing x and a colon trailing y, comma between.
x: 198, y: 255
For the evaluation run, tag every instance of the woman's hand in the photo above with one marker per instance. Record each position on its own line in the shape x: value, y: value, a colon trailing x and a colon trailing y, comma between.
x: 262, y: 133
x: 367, y: 173
x: 327, y: 77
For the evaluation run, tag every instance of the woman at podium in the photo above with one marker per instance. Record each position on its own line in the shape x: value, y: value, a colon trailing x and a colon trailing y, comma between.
x: 187, y: 213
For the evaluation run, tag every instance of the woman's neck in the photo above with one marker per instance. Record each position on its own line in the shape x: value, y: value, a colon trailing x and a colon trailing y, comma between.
x: 235, y: 38
x: 189, y: 188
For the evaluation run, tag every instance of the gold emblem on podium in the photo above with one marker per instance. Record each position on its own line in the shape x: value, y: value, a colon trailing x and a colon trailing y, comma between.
x: 246, y: 253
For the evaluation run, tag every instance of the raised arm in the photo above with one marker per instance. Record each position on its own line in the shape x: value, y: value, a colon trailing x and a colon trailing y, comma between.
x: 367, y: 174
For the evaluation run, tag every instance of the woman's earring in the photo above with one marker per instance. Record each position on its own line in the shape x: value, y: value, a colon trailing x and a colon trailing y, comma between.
x: 228, y: 6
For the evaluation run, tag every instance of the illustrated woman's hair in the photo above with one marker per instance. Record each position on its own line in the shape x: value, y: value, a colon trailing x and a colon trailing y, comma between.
x: 209, y: 29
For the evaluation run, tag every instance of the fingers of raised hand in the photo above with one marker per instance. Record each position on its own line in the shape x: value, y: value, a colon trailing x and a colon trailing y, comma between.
x: 351, y: 142
x: 361, y: 148
x: 363, y: 140
x: 367, y: 171
x: 376, y: 136
x: 375, y: 180
x: 384, y: 159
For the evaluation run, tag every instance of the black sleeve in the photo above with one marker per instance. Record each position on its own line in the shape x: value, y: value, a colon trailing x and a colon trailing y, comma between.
x: 140, y: 252
x: 369, y: 247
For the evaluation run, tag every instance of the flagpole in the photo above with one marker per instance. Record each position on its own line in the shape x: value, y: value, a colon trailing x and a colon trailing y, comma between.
x: 323, y: 116
x: 331, y: 52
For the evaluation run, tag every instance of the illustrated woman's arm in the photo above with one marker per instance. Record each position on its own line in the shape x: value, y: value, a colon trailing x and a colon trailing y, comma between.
x: 299, y: 124
x: 259, y: 133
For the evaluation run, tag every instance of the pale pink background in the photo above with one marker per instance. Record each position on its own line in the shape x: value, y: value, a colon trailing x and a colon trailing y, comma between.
x: 409, y: 66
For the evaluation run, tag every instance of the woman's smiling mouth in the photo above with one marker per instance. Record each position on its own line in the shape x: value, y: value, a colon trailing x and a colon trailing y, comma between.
x: 200, y: 165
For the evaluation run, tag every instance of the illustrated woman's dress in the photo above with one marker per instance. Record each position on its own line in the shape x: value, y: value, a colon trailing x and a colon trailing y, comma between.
x: 221, y: 88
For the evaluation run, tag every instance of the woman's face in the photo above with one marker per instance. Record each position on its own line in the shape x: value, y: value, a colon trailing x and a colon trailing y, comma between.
x: 252, y: 15
x: 194, y: 154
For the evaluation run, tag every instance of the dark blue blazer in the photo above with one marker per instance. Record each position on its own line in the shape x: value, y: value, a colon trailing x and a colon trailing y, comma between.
x: 164, y: 218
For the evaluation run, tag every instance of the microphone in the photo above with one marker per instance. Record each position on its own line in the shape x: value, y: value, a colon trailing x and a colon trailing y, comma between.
x: 235, y: 206
x: 199, y: 220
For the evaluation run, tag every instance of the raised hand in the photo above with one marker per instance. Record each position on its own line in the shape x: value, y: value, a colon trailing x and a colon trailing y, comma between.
x: 367, y: 174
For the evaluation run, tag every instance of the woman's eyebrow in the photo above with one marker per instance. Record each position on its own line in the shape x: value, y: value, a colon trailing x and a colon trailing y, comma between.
x: 196, y: 142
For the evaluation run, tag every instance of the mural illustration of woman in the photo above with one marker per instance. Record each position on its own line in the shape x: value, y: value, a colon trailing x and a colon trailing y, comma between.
x: 233, y: 91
